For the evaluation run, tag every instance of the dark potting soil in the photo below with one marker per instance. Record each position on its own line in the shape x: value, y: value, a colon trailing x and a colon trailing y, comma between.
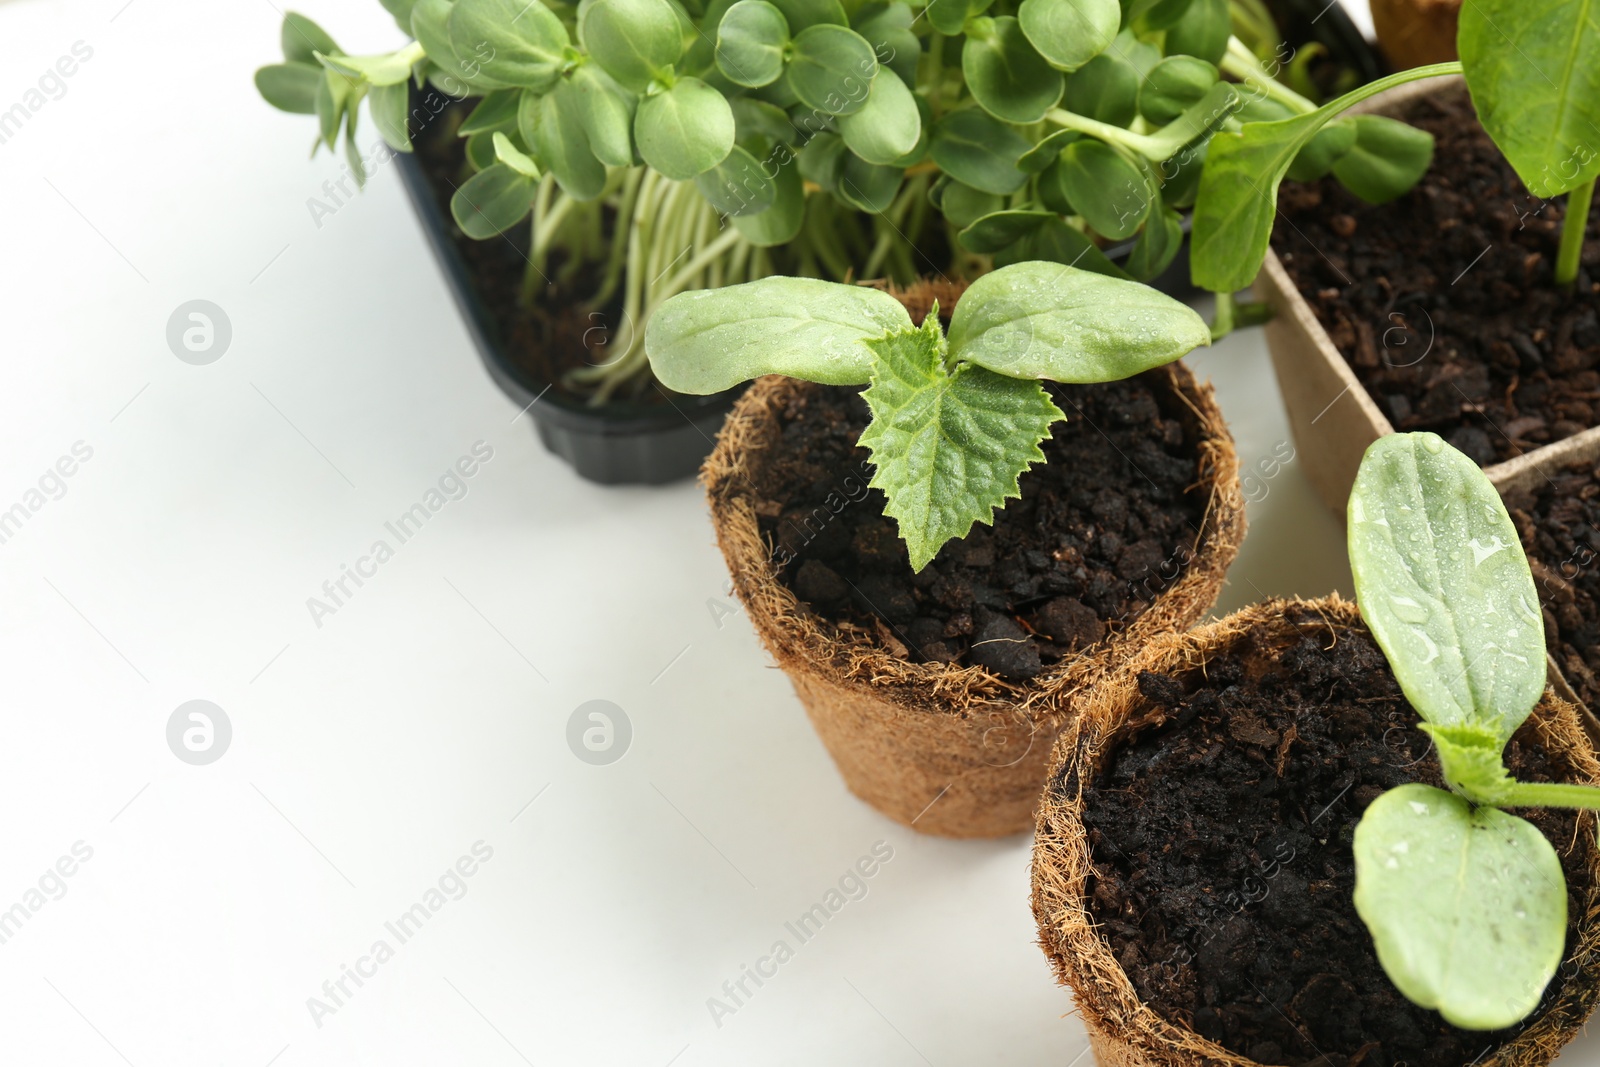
x: 1221, y: 839
x: 1442, y: 301
x: 1101, y: 528
x: 1559, y: 522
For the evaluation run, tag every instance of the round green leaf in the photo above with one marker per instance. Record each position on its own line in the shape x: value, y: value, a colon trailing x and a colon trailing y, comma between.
x: 553, y: 126
x: 780, y: 223
x: 290, y: 87
x: 831, y: 69
x: 302, y: 39
x: 1106, y: 89
x: 605, y: 110
x: 1467, y: 906
x: 713, y: 339
x: 1007, y: 77
x: 1045, y: 320
x: 888, y: 126
x: 887, y: 28
x: 1069, y: 33
x: 821, y: 159
x: 491, y: 201
x: 1387, y: 159
x: 756, y: 119
x: 634, y: 41
x: 1051, y: 186
x: 804, y: 14
x: 1173, y: 86
x: 973, y: 147
x: 750, y: 43
x: 1058, y: 242
x: 1001, y: 229
x: 963, y: 205
x: 1158, y: 245
x: 1047, y: 151
x: 867, y: 186
x: 1323, y: 150
x: 1111, y: 191
x: 430, y: 25
x: 684, y: 131
x: 1444, y: 586
x: 1202, y: 31
x: 738, y: 186
x: 496, y: 111
x: 507, y: 42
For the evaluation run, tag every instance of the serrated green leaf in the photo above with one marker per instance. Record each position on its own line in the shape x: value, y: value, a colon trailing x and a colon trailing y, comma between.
x: 1467, y: 906
x: 1443, y: 584
x: 1045, y: 320
x: 948, y: 446
x: 713, y: 339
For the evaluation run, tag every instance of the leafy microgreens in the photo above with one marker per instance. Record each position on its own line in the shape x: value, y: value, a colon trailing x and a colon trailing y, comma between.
x: 1533, y: 67
x: 955, y: 420
x: 1466, y: 904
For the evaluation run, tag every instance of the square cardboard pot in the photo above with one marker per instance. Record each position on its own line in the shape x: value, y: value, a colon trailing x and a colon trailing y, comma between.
x: 1331, y: 414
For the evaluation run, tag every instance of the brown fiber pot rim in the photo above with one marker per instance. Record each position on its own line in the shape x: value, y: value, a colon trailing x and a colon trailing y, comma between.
x: 1082, y: 959
x: 800, y: 641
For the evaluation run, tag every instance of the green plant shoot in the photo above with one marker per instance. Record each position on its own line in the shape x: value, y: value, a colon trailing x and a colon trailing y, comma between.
x: 1533, y: 67
x: 1466, y: 904
x: 955, y: 420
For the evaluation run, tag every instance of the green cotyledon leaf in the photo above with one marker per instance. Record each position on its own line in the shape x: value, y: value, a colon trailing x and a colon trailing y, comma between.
x: 948, y: 445
x: 1467, y: 906
x: 1444, y: 586
x: 712, y: 339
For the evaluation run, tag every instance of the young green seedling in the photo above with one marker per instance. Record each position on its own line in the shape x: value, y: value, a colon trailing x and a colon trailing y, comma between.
x: 955, y: 420
x: 1533, y: 67
x: 1467, y: 905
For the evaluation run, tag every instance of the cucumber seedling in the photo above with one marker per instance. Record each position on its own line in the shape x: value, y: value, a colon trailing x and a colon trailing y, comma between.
x: 1466, y: 903
x: 955, y: 419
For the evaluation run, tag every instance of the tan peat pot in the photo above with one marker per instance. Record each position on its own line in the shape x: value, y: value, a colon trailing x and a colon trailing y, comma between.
x: 1123, y: 1030
x: 944, y: 749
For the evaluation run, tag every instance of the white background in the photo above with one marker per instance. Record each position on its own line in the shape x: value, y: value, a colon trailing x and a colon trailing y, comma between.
x: 425, y: 715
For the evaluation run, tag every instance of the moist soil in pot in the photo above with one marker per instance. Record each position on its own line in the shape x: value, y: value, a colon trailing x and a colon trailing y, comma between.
x: 1101, y: 528
x: 1442, y: 301
x: 1559, y: 523
x: 1221, y: 839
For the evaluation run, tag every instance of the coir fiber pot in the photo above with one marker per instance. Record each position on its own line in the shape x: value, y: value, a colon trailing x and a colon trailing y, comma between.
x: 652, y: 441
x: 1333, y: 416
x: 1124, y: 1030
x: 946, y: 749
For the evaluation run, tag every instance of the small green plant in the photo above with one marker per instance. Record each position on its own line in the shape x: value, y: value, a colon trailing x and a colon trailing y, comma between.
x: 657, y: 146
x: 1467, y: 904
x: 955, y: 420
x: 1533, y: 67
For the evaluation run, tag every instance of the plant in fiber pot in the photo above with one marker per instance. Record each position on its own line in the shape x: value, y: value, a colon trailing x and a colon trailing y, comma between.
x: 1281, y: 838
x: 1467, y: 306
x: 936, y: 641
x: 597, y: 158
